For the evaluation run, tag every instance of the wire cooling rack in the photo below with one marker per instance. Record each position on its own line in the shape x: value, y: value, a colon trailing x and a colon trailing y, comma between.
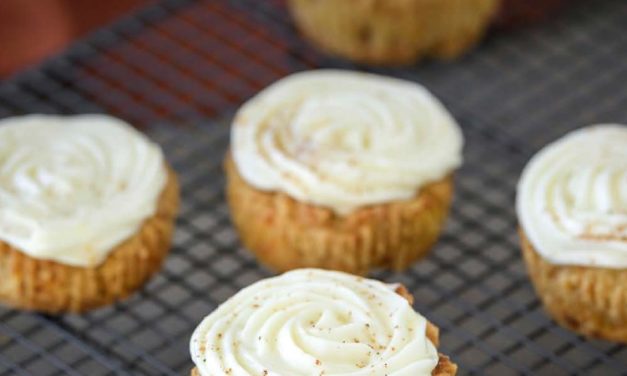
x: 179, y: 69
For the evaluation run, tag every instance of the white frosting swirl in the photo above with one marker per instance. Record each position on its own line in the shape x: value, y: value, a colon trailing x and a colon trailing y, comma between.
x: 72, y: 188
x: 344, y: 139
x: 572, y: 198
x: 314, y: 322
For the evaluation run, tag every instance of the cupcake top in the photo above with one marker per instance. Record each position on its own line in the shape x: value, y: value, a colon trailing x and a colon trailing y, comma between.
x: 572, y: 198
x: 72, y: 188
x: 314, y: 322
x: 344, y: 139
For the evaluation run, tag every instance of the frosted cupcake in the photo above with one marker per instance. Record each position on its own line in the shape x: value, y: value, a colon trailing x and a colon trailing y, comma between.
x: 393, y: 31
x: 87, y: 206
x: 314, y: 322
x: 572, y: 208
x: 341, y: 170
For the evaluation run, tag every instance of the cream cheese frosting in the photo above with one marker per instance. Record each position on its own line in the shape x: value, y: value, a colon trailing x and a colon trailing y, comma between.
x: 572, y: 198
x: 344, y: 139
x: 314, y: 322
x: 74, y: 187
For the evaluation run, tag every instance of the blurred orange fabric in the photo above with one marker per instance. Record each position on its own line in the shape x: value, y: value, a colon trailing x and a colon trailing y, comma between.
x: 31, y: 30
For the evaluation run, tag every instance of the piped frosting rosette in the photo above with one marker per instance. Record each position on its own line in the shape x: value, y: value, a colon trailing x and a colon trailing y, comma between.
x: 314, y: 322
x: 73, y: 188
x: 344, y: 139
x: 572, y: 198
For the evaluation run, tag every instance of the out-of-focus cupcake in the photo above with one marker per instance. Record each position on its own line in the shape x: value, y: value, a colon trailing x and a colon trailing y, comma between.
x: 87, y: 206
x: 315, y: 322
x: 572, y: 208
x: 341, y: 170
x: 393, y: 31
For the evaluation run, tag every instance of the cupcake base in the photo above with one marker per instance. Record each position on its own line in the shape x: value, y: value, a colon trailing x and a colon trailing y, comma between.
x: 591, y: 301
x: 444, y: 367
x: 286, y: 234
x: 392, y: 31
x: 51, y: 287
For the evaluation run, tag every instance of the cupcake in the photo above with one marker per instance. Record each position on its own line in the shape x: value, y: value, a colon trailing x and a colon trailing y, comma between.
x: 572, y: 208
x: 315, y: 322
x: 393, y: 31
x: 87, y: 206
x: 341, y: 170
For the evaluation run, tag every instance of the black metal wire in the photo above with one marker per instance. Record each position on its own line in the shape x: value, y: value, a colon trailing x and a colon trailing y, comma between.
x: 179, y: 68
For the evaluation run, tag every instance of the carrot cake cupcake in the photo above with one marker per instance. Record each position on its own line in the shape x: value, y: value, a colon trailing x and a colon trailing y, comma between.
x: 341, y: 170
x: 87, y: 206
x: 315, y: 322
x: 393, y: 31
x: 572, y: 207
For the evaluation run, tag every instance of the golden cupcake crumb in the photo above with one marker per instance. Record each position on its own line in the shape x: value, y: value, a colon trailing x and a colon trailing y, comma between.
x: 587, y: 299
x: 393, y: 31
x: 287, y: 234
